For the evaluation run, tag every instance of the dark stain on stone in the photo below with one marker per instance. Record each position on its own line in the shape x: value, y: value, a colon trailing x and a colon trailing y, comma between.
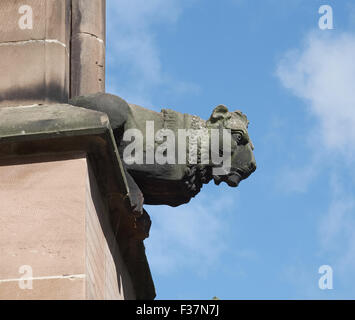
x: 50, y: 93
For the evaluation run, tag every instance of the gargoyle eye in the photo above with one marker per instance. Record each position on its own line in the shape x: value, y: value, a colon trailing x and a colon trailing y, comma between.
x: 238, y: 137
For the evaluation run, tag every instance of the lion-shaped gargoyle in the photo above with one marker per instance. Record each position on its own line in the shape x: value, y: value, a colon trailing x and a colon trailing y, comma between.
x: 155, y: 168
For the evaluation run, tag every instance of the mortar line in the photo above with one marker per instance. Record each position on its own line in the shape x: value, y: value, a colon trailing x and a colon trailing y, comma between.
x: 75, y: 276
x: 22, y: 42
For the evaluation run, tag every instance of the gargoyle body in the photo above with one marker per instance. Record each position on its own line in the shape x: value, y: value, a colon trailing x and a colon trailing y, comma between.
x: 173, y: 183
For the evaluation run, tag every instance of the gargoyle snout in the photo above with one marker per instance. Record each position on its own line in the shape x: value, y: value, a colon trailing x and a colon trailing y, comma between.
x: 252, y: 165
x: 243, y: 162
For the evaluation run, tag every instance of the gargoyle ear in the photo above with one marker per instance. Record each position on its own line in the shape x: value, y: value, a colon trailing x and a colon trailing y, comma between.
x: 243, y: 117
x: 220, y: 112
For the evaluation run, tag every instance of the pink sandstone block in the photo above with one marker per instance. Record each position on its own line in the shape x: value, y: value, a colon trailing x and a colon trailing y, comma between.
x: 35, y: 20
x: 53, y: 219
x: 34, y: 51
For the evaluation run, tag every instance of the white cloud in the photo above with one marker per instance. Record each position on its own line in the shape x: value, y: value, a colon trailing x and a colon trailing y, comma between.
x: 322, y: 73
x: 134, y: 51
x: 193, y: 236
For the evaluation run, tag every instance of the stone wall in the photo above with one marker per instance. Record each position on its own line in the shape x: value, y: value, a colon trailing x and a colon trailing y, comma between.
x: 88, y: 47
x: 34, y: 51
x: 55, y: 228
x: 51, y: 50
x: 66, y: 227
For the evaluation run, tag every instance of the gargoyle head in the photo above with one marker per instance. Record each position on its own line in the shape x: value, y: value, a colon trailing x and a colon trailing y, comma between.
x: 235, y: 163
x: 242, y: 161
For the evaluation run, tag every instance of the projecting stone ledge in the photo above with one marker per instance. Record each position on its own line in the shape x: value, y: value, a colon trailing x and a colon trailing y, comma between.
x: 65, y: 209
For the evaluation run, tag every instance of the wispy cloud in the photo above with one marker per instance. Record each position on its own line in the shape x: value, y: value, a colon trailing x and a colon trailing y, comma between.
x: 133, y: 60
x: 322, y: 73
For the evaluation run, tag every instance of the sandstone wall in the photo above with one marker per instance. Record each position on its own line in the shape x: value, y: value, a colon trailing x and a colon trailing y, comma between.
x: 34, y: 51
x: 54, y: 224
x: 51, y: 50
x: 88, y: 47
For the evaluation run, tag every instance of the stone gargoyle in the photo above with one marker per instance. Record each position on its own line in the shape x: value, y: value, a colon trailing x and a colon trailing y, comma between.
x: 173, y: 183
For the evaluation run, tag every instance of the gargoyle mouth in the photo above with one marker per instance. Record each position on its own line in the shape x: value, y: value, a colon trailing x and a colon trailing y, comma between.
x: 231, y: 179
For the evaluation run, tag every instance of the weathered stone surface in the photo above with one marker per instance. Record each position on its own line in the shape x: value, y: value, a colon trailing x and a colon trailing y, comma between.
x: 57, y: 65
x: 49, y: 120
x: 55, y: 221
x: 88, y: 65
x: 33, y: 72
x: 50, y: 20
x: 174, y: 182
x: 89, y: 18
x: 42, y: 218
x: 88, y: 47
x: 98, y: 234
x: 59, y: 131
x: 106, y: 273
x: 58, y: 25
x: 61, y: 288
x: 34, y: 60
x: 32, y: 128
x: 10, y: 20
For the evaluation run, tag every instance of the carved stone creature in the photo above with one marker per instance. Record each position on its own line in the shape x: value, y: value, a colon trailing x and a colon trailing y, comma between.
x: 173, y: 184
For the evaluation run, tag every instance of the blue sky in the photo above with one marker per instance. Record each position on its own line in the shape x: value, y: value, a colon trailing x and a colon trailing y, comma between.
x: 267, y: 238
